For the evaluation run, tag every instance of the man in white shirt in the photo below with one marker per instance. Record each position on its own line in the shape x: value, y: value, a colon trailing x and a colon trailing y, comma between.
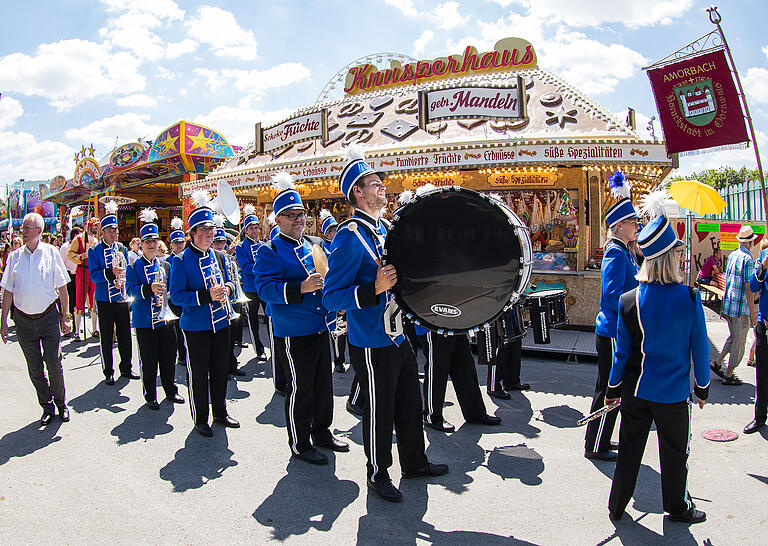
x: 33, y: 280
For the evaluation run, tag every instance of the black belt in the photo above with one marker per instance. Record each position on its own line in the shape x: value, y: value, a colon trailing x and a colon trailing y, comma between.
x: 37, y: 315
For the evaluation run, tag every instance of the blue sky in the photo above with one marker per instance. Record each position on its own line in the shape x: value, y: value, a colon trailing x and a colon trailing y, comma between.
x: 76, y: 72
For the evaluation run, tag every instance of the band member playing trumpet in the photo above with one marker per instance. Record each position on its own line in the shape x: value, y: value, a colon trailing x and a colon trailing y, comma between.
x: 107, y: 263
x: 661, y: 329
x: 245, y: 253
x: 146, y: 281
x: 78, y: 254
x: 220, y: 245
x: 202, y: 287
x: 358, y: 284
x: 287, y: 279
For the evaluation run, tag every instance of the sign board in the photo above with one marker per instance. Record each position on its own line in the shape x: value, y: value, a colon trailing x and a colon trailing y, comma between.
x: 506, y: 180
x: 310, y: 126
x: 489, y: 102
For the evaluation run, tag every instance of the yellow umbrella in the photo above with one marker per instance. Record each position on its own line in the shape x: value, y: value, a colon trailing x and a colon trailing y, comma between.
x: 698, y: 197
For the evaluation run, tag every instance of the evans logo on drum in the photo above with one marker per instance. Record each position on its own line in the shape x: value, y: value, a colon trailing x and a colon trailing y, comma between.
x: 445, y: 310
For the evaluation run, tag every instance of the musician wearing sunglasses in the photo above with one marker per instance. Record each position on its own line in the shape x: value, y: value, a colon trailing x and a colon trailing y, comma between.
x: 107, y: 263
x: 617, y: 276
x: 146, y: 281
x: 200, y: 283
x: 288, y: 280
x: 661, y: 329
x: 383, y: 361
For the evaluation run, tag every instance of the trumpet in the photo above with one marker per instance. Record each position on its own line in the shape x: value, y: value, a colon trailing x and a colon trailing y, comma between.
x: 234, y: 274
x: 231, y: 313
x: 165, y: 315
x: 118, y: 260
x: 598, y: 413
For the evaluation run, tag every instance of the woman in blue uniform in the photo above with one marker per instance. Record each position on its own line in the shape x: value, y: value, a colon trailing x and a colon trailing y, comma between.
x: 201, y: 285
x: 617, y: 276
x: 661, y: 328
x: 146, y: 282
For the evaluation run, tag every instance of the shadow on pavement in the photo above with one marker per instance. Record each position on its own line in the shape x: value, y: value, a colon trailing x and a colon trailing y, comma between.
x: 28, y: 439
x: 560, y: 416
x: 274, y: 412
x: 199, y: 461
x: 763, y: 479
x: 516, y: 414
x: 630, y: 531
x: 647, y: 495
x: 307, y: 497
x: 465, y: 454
x: 101, y: 396
x: 518, y: 462
x: 145, y: 424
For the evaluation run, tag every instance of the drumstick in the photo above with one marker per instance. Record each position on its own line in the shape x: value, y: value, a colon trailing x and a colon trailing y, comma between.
x: 598, y: 413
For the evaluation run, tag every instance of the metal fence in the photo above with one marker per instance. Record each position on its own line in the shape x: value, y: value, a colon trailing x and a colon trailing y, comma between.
x: 744, y: 202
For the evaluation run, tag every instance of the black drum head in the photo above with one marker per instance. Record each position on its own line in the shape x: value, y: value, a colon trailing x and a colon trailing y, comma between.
x: 457, y: 258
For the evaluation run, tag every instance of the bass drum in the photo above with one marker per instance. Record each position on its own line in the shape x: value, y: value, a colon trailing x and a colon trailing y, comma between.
x: 461, y: 259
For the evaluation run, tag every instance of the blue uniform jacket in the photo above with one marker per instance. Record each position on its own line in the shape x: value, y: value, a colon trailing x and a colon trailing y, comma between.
x: 655, y: 346
x: 617, y: 276
x: 245, y: 254
x: 349, y: 284
x: 188, y: 289
x: 279, y: 275
x: 100, y: 274
x: 759, y: 285
x: 140, y: 289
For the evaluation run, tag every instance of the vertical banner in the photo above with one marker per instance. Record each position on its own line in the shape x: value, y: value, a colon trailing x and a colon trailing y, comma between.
x: 699, y: 107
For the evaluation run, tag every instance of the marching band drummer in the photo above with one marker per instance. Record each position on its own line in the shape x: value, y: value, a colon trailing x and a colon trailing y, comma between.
x: 245, y: 254
x: 287, y: 280
x: 178, y: 241
x: 661, y: 329
x: 201, y: 286
x: 220, y: 245
x: 328, y: 227
x: 358, y: 284
x: 106, y: 266
x: 146, y: 285
x: 617, y: 273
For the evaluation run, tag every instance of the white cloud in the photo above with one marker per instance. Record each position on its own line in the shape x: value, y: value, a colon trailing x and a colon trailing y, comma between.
x: 756, y: 85
x: 10, y: 111
x: 447, y: 16
x: 404, y: 6
x: 177, y: 49
x: 56, y: 72
x: 728, y: 158
x: 237, y: 124
x: 765, y: 50
x: 166, y: 9
x: 133, y: 31
x: 164, y: 73
x: 120, y: 128
x: 254, y: 83
x: 576, y: 13
x: 420, y: 44
x: 220, y: 30
x: 22, y: 156
x: 139, y: 100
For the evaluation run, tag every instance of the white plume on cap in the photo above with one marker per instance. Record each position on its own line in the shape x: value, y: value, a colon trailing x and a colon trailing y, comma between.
x: 218, y: 219
x: 619, y: 185
x: 324, y: 215
x: 353, y: 152
x: 271, y: 218
x: 421, y: 190
x: 405, y: 197
x: 110, y: 207
x: 177, y: 223
x: 248, y: 209
x: 147, y: 215
x: 654, y: 204
x: 496, y: 196
x: 200, y: 198
x: 283, y: 181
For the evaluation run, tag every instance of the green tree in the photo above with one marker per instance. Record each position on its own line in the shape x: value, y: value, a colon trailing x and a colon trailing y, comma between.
x: 722, y: 177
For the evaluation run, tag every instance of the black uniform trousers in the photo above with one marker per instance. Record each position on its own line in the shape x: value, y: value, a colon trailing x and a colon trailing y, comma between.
x: 356, y: 391
x: 504, y: 363
x: 115, y: 316
x: 391, y: 383
x: 253, y: 321
x: 451, y: 356
x: 72, y: 292
x: 673, y: 427
x: 278, y: 359
x: 157, y: 350
x: 761, y: 372
x: 236, y: 325
x: 309, y: 390
x: 207, y: 361
x: 599, y: 431
x: 181, y: 350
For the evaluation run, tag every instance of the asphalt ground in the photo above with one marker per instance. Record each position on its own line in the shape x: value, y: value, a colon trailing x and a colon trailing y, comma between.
x: 119, y: 473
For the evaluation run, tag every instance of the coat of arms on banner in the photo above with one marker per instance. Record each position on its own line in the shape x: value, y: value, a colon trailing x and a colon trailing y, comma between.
x: 697, y: 102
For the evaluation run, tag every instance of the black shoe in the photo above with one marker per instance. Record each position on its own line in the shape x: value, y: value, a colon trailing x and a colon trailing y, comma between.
x: 333, y: 444
x: 732, y: 380
x: 386, y: 490
x: 110, y: 379
x: 689, y: 516
x: 64, y: 414
x: 753, y: 427
x: 312, y: 456
x: 615, y: 517
x: 262, y: 354
x: 238, y: 373
x: 339, y: 367
x: 518, y: 387
x: 227, y: 422
x: 204, y: 429
x: 130, y: 375
x: 355, y: 409
x: 431, y: 469
x: 46, y: 418
x: 486, y: 419
x: 176, y: 398
x: 153, y: 405
x: 442, y: 426
x: 600, y: 455
x: 241, y: 344
x: 499, y: 394
x: 614, y: 446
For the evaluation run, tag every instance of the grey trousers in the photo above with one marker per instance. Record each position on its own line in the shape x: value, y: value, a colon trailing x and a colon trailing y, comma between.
x: 40, y: 341
x: 738, y: 329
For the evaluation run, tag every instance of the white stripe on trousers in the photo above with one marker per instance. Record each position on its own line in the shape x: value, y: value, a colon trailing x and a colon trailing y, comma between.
x: 356, y: 396
x: 272, y: 353
x: 605, y: 415
x: 430, y: 379
x: 688, y: 502
x: 292, y: 399
x: 371, y: 413
x: 190, y: 390
x: 141, y: 369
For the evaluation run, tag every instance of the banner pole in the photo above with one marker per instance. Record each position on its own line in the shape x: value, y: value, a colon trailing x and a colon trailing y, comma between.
x: 715, y: 19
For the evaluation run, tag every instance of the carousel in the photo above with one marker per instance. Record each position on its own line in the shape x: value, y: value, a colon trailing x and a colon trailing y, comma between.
x: 492, y: 122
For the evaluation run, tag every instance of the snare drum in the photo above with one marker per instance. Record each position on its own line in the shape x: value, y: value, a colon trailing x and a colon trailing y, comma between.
x: 511, y: 325
x: 547, y: 309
